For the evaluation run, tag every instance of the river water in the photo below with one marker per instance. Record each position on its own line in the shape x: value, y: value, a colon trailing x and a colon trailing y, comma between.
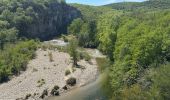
x: 96, y: 90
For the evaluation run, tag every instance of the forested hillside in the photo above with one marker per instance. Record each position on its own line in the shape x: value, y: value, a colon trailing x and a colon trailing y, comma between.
x: 142, y: 47
x: 85, y: 28
x: 136, y: 39
x: 144, y: 6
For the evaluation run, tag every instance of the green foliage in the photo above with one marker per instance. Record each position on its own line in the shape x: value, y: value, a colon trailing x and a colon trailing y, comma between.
x: 107, y: 32
x: 140, y: 43
x: 103, y: 63
x: 86, y: 28
x: 14, y: 58
x: 147, y: 5
x: 7, y: 35
x: 75, y: 26
x: 90, y: 13
x: 87, y: 57
x: 84, y: 55
x: 161, y: 83
x: 153, y: 85
x: 72, y: 49
x: 85, y: 32
x: 134, y: 40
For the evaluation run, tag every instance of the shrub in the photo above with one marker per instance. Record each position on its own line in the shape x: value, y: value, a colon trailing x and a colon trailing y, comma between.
x: 3, y: 75
x: 41, y: 82
x: 44, y: 47
x: 161, y: 83
x: 65, y: 38
x: 50, y: 56
x: 73, y: 69
x: 14, y: 58
x: 72, y: 48
x: 62, y: 49
x: 85, y: 56
x: 67, y: 72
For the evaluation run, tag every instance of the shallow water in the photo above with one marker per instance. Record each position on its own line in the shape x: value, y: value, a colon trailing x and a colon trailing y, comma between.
x: 57, y: 42
x: 93, y: 91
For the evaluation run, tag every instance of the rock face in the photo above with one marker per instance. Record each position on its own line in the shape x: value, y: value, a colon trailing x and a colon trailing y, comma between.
x: 49, y: 19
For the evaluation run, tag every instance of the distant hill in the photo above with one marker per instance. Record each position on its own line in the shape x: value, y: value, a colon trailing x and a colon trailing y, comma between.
x: 147, y: 5
x: 91, y: 12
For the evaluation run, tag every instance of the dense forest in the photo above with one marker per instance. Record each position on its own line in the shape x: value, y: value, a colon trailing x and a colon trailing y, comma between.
x: 136, y: 39
x: 134, y: 36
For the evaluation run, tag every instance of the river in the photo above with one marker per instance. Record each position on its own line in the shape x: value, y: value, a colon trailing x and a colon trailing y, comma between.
x: 93, y: 91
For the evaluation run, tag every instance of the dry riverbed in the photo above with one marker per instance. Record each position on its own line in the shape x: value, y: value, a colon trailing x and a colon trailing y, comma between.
x: 42, y: 74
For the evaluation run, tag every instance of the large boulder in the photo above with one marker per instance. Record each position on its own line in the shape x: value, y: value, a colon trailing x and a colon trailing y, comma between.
x: 71, y: 81
x: 65, y: 87
x: 55, y: 91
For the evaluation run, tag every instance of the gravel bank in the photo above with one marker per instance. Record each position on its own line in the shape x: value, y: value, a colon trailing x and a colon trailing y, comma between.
x: 51, y: 73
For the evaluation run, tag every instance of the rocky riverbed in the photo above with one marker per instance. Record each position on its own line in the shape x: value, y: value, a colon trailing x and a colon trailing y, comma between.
x: 42, y: 75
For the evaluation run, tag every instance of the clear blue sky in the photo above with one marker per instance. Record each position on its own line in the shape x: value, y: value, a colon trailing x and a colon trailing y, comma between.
x: 99, y: 2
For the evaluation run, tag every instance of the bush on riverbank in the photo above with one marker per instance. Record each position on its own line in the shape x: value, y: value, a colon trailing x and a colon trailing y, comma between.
x: 67, y: 72
x: 14, y: 58
x: 50, y: 54
x: 85, y: 56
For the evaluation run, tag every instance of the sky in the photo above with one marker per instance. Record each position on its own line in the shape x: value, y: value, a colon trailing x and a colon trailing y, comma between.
x: 99, y: 2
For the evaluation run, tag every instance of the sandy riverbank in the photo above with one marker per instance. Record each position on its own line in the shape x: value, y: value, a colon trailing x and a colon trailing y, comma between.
x: 52, y: 73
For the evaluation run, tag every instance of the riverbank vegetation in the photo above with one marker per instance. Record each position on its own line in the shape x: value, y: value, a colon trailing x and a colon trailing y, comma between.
x: 14, y: 58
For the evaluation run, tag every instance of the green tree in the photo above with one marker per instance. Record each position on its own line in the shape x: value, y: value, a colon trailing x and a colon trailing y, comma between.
x: 72, y: 48
x: 107, y: 28
x: 7, y: 35
x: 75, y: 26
